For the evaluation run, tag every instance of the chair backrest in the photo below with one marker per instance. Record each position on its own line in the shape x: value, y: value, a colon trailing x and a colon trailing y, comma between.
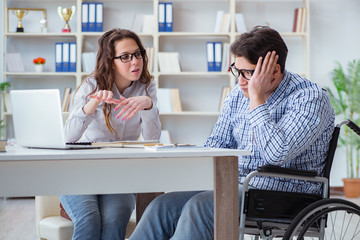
x: 333, y: 144
x: 331, y: 152
x: 330, y: 156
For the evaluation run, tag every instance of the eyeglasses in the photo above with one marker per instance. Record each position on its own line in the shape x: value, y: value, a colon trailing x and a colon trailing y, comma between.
x: 246, y: 73
x: 128, y: 57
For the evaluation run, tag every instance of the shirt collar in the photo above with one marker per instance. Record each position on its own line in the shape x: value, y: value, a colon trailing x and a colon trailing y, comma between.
x: 280, y: 89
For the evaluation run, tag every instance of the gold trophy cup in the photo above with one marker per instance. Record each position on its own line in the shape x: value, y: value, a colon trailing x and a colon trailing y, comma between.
x: 20, y: 14
x: 66, y: 14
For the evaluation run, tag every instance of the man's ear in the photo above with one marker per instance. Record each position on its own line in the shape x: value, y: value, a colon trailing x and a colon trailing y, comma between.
x: 277, y: 72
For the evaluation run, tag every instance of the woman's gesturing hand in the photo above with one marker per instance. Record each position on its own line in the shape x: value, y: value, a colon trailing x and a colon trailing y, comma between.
x: 130, y: 106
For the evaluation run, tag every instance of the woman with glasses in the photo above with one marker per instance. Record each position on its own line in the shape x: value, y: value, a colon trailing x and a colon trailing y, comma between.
x: 116, y: 102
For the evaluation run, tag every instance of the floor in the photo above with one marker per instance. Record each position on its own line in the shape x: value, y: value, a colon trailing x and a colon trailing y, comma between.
x: 17, y: 218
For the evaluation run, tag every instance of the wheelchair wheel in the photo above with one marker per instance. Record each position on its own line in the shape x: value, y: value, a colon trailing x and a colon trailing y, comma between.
x: 326, y: 219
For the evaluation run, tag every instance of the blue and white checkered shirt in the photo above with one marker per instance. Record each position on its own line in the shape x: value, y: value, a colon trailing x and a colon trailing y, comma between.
x: 292, y: 129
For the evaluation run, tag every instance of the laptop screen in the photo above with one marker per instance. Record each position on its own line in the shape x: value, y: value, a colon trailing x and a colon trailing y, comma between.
x: 37, y: 118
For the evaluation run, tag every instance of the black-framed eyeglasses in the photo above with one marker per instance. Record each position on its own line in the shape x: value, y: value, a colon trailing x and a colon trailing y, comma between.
x: 128, y: 57
x: 245, y: 73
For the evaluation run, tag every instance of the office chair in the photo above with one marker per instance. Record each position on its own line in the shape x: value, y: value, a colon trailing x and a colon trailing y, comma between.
x: 287, y: 215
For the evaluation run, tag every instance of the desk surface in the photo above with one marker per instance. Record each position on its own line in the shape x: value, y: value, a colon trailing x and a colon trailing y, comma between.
x: 20, y: 153
x: 29, y: 172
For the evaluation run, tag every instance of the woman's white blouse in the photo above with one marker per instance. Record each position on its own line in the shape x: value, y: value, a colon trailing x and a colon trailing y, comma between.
x: 92, y: 128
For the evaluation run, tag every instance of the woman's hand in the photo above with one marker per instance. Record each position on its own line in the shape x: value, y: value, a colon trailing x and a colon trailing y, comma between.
x: 102, y: 96
x: 130, y: 106
x: 97, y: 98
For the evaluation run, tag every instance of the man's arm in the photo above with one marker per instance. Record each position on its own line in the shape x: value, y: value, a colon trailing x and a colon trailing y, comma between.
x: 305, y: 119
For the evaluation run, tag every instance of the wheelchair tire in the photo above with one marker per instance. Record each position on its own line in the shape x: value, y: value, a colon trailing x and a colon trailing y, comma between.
x: 343, y: 221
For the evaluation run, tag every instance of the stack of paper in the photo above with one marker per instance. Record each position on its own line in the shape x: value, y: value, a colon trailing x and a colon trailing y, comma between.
x: 139, y: 144
x: 88, y: 60
x: 168, y: 100
x: 222, y: 22
x: 225, y: 91
x: 66, y: 100
x: 150, y: 56
x: 169, y: 62
x: 174, y: 147
x: 14, y: 62
x: 240, y: 23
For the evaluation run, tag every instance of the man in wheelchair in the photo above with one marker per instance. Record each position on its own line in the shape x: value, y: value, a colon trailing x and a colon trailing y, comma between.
x: 281, y: 117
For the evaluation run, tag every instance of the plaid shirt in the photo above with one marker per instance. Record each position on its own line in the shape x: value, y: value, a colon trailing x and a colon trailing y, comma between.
x: 292, y: 129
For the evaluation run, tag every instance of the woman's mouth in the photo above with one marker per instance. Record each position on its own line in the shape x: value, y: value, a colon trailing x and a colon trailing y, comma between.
x: 136, y: 71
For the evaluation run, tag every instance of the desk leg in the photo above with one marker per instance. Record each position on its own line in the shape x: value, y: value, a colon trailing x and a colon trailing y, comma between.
x: 226, y: 206
x: 142, y: 201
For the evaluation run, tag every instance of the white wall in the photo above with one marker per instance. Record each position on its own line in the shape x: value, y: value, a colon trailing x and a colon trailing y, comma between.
x: 335, y: 36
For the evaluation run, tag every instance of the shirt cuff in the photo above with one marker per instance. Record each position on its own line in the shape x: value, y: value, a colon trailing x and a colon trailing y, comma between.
x: 83, y: 116
x: 151, y: 114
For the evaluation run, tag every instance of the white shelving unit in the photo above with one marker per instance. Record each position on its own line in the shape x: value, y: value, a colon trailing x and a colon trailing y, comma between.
x: 193, y: 26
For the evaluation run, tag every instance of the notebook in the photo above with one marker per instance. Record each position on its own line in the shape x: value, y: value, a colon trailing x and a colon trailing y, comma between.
x: 37, y: 119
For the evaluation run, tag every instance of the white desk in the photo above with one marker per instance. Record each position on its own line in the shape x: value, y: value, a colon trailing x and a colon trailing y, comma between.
x: 30, y: 172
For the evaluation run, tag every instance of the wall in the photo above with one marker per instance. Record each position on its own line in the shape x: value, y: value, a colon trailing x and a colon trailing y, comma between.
x: 334, y: 37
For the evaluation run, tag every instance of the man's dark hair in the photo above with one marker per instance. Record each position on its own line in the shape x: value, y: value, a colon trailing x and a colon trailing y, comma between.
x: 258, y: 42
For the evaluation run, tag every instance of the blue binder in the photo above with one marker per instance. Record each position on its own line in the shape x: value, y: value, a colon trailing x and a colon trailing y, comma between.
x: 168, y: 17
x: 210, y: 56
x: 72, y: 66
x: 162, y: 17
x: 58, y: 57
x: 85, y: 17
x: 66, y: 57
x: 99, y: 13
x: 218, y: 56
x: 92, y: 17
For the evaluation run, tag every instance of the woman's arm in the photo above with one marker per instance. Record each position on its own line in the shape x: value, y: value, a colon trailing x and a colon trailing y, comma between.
x: 82, y: 114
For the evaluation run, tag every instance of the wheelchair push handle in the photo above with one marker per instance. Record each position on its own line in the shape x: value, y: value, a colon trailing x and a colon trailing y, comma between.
x: 351, y: 125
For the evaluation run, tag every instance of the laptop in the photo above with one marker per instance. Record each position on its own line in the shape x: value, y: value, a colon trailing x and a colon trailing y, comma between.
x: 38, y: 121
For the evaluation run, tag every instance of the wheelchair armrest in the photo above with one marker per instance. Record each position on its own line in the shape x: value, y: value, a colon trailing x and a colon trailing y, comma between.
x: 288, y: 171
x: 281, y: 172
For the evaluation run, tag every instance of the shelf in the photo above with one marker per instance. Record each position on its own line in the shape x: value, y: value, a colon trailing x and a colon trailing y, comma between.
x: 286, y: 34
x: 56, y: 74
x: 193, y: 34
x: 195, y: 74
x: 194, y: 21
x: 98, y: 34
x: 42, y: 35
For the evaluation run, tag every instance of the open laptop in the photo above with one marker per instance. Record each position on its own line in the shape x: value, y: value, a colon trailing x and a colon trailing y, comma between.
x: 37, y: 119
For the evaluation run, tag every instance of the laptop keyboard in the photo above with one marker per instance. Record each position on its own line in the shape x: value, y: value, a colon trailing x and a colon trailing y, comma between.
x: 78, y: 143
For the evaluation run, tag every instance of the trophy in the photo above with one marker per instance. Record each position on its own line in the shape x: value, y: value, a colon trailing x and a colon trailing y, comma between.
x: 20, y: 14
x: 66, y: 14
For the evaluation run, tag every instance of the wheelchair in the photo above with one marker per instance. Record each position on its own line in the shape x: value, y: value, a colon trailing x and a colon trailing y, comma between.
x: 288, y: 215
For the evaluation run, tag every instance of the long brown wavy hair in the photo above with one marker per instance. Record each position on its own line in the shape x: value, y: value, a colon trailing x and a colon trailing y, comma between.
x: 104, y: 73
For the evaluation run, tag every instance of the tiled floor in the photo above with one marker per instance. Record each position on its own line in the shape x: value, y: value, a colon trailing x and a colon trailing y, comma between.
x: 17, y: 218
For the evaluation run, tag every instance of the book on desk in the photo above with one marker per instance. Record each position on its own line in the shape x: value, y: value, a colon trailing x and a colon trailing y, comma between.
x: 134, y: 144
x: 176, y: 147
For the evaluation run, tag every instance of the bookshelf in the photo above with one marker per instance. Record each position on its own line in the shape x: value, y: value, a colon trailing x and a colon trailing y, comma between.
x: 193, y: 26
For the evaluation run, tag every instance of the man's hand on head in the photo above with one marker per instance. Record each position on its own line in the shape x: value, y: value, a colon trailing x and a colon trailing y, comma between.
x: 263, y: 81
